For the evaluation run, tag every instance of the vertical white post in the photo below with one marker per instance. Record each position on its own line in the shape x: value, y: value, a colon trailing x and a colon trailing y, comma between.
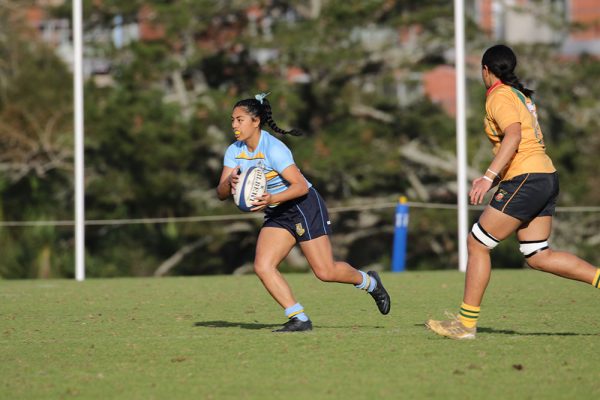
x: 79, y: 134
x: 461, y: 132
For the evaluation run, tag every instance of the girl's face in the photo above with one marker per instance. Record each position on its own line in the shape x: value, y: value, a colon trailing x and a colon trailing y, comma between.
x: 244, y: 124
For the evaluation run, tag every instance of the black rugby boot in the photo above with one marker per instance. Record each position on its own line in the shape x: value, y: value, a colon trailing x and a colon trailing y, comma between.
x: 295, y: 325
x: 381, y: 296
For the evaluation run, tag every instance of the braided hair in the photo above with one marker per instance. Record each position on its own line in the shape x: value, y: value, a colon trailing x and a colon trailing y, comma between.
x: 261, y: 109
x: 502, y: 61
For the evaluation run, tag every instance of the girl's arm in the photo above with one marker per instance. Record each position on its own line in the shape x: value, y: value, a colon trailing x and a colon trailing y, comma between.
x: 508, y: 148
x: 229, y: 179
x: 298, y: 188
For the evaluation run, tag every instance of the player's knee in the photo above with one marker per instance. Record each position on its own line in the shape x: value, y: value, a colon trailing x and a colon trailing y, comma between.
x: 539, y: 260
x: 262, y: 269
x: 479, y: 239
x: 536, y: 253
x: 474, y: 245
x: 325, y: 274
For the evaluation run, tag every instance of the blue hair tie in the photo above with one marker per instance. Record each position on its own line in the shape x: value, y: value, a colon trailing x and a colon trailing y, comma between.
x: 261, y: 96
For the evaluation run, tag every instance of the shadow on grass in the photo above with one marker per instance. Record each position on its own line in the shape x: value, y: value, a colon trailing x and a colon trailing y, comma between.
x: 517, y: 333
x: 246, y: 325
x: 350, y: 327
x: 227, y: 324
x: 511, y: 332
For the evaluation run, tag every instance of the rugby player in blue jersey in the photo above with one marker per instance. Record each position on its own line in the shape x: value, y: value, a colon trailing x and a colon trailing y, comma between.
x: 294, y: 213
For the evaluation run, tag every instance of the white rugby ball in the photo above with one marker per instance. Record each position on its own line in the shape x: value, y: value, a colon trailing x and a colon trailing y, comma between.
x: 251, y: 184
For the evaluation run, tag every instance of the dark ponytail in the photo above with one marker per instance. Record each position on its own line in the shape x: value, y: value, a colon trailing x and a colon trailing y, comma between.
x: 502, y: 61
x: 262, y: 109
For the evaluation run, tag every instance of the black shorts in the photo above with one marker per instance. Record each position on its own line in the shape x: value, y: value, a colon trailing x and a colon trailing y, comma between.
x: 306, y: 217
x: 527, y: 196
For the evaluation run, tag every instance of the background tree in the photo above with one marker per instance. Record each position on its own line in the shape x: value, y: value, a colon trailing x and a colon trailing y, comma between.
x: 35, y: 149
x: 345, y: 72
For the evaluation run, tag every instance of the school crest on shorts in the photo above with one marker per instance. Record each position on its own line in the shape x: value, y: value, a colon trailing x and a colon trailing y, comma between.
x: 299, y: 229
x: 499, y: 197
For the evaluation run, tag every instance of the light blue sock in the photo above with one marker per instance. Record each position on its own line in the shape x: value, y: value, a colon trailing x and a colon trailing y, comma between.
x: 369, y: 284
x: 296, y: 311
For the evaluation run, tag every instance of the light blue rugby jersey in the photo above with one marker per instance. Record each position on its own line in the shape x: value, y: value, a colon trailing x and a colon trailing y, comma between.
x: 271, y: 154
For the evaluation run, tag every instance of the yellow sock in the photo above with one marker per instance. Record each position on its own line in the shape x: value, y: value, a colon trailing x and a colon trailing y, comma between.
x: 468, y: 315
x: 596, y: 281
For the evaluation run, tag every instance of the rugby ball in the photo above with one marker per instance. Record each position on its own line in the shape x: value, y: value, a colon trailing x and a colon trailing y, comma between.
x: 251, y: 184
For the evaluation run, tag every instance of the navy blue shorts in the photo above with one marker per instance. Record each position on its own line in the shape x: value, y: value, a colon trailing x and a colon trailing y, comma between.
x: 527, y: 196
x: 306, y: 217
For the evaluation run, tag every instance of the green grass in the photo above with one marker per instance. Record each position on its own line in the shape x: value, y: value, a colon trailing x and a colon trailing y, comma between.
x: 210, y: 338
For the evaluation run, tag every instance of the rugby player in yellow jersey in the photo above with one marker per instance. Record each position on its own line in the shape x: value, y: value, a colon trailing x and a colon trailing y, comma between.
x: 524, y: 201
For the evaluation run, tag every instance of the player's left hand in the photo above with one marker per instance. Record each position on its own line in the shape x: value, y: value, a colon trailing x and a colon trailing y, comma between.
x: 261, y: 202
x: 478, y: 190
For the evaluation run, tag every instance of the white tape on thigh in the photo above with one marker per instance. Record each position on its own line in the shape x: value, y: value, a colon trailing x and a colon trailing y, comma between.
x: 485, y: 238
x: 530, y: 248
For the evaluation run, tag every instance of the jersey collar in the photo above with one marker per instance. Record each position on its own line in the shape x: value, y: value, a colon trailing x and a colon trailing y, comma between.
x: 494, y: 86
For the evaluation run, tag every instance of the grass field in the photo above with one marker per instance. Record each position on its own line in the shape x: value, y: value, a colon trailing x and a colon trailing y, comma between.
x: 210, y: 338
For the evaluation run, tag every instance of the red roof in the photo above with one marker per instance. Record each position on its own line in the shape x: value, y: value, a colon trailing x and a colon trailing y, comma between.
x: 439, y: 85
